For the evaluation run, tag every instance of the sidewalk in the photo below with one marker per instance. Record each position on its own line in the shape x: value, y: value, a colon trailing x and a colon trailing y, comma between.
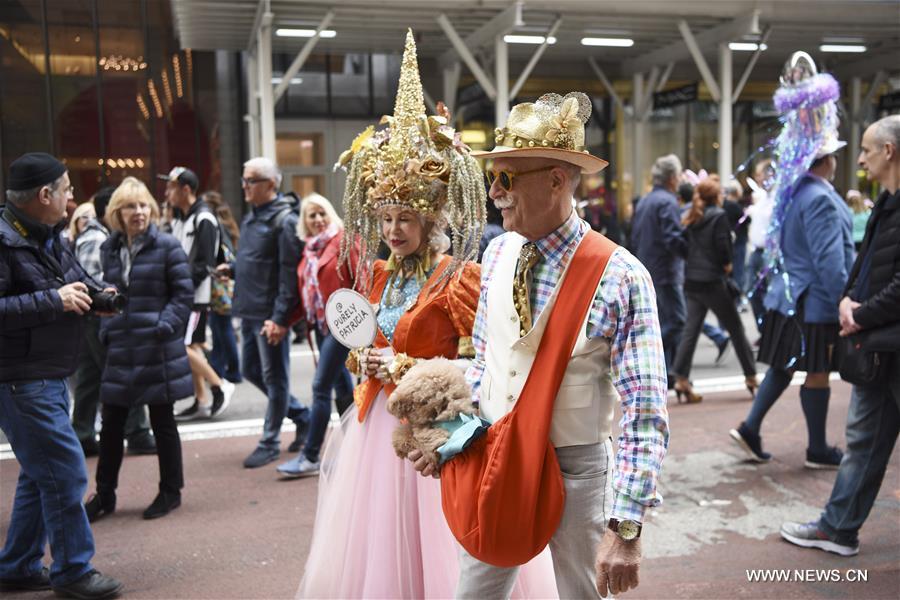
x: 245, y: 534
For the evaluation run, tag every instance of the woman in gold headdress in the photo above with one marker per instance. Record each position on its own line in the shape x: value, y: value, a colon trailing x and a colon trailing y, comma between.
x: 380, y: 531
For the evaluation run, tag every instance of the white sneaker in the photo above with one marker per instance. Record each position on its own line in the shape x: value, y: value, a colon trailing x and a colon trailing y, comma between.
x: 220, y: 402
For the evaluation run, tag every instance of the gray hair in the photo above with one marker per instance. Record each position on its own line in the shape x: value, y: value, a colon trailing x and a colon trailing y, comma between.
x: 887, y: 130
x: 265, y: 167
x: 665, y: 168
x: 733, y: 188
x: 23, y: 197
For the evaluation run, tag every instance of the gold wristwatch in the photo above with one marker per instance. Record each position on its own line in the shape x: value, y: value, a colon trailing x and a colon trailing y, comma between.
x: 626, y: 529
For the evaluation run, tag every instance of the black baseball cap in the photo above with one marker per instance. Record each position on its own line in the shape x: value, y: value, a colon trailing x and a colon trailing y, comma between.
x: 183, y: 176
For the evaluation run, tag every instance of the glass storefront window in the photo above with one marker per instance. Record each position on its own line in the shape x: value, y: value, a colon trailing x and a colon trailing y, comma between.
x: 299, y: 150
x: 302, y: 185
x: 24, y: 118
x: 73, y: 83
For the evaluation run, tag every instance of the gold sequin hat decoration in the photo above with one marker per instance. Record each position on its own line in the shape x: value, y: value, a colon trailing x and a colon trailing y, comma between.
x: 552, y: 127
x: 417, y: 162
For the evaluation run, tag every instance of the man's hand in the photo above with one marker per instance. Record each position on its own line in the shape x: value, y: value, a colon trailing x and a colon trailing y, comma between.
x: 845, y: 314
x: 273, y: 332
x: 420, y: 464
x: 618, y: 562
x: 75, y: 298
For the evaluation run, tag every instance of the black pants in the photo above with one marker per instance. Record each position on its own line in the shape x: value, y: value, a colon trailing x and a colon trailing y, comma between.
x: 714, y: 296
x: 86, y: 393
x: 168, y: 447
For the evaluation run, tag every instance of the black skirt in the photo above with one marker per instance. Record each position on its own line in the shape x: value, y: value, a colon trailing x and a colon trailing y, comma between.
x: 790, y: 344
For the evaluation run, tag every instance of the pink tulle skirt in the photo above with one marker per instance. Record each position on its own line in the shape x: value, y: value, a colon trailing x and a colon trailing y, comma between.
x: 380, y: 530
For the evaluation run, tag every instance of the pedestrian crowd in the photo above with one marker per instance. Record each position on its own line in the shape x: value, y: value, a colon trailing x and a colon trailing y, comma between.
x: 116, y: 300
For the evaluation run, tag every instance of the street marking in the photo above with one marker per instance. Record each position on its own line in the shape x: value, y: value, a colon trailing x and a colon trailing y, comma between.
x: 245, y: 427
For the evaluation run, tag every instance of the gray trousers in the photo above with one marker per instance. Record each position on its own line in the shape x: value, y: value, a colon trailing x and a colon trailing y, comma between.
x: 575, y: 543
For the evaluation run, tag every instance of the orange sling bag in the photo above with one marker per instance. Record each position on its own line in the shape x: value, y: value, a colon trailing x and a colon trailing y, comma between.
x: 504, y: 496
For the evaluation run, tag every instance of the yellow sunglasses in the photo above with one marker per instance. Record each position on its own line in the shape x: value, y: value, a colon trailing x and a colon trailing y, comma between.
x: 506, y: 177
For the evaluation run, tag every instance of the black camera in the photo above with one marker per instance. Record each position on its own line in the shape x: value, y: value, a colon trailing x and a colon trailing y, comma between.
x: 107, y: 302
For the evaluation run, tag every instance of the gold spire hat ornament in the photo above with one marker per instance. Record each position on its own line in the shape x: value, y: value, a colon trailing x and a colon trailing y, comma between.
x: 417, y: 162
x: 552, y: 127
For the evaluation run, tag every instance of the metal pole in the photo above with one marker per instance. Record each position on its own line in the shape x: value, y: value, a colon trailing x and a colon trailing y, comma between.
x: 266, y: 102
x: 301, y: 57
x: 725, y: 133
x: 252, y: 116
x: 637, y: 92
x: 501, y: 77
x: 855, y: 135
x: 523, y: 76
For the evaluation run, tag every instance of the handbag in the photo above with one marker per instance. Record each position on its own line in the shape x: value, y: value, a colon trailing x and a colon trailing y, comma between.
x: 222, y: 290
x: 858, y: 365
x: 503, y: 497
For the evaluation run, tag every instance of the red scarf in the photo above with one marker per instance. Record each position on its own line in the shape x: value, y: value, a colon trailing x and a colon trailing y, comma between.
x: 312, y: 295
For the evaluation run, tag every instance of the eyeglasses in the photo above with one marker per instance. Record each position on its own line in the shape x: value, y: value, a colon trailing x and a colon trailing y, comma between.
x: 506, y: 177
x: 248, y: 182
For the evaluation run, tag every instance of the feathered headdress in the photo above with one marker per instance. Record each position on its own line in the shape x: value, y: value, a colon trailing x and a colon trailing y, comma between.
x: 417, y: 162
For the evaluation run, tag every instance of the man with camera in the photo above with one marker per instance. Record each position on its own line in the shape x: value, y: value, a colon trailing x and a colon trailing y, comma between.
x: 44, y: 294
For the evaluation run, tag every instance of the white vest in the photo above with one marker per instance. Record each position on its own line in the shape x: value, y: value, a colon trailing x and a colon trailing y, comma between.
x: 184, y: 233
x: 583, y: 410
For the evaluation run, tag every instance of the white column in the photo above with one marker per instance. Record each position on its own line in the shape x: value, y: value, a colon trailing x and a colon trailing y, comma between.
x: 266, y: 102
x: 501, y: 80
x: 637, y: 161
x: 855, y: 133
x: 252, y: 116
x: 725, y: 86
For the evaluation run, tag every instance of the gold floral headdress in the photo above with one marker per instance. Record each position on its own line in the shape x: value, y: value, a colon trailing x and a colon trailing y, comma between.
x: 417, y: 162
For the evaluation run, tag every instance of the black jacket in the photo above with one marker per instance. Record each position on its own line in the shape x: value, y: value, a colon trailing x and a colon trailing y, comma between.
x: 709, y: 246
x: 146, y: 362
x: 265, y: 269
x: 38, y: 340
x: 882, y: 306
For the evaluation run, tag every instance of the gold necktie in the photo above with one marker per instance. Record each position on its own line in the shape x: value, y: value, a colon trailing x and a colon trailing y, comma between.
x: 528, y: 257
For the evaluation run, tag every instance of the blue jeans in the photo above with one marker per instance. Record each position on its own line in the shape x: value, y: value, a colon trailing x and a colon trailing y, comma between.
x: 756, y: 293
x: 873, y: 423
x: 224, y: 357
x: 268, y: 368
x: 331, y: 374
x: 717, y: 336
x: 34, y: 415
x: 672, y: 315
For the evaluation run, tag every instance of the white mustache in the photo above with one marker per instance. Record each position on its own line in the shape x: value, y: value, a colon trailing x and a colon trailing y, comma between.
x: 505, y: 203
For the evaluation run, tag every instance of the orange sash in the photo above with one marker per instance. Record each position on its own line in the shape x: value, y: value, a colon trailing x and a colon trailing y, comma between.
x: 504, y: 496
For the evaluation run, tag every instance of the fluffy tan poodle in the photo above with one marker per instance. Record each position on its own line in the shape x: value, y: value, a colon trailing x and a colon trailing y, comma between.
x: 432, y: 391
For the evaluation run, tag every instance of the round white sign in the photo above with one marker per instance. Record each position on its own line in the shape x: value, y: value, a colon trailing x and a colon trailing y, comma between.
x: 351, y: 319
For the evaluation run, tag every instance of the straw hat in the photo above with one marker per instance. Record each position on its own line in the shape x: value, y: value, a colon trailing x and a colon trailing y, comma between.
x: 552, y: 127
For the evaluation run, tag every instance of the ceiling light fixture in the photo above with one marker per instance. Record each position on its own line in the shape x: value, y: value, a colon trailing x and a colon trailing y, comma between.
x: 610, y: 42
x: 746, y: 46
x: 842, y: 48
x: 304, y: 33
x: 527, y: 39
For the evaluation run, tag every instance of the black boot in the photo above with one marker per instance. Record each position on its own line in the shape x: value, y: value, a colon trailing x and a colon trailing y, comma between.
x: 163, y: 504
x: 99, y: 505
x: 92, y: 586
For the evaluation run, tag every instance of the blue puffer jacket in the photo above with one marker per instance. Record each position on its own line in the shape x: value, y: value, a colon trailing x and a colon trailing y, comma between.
x: 37, y: 339
x: 146, y: 362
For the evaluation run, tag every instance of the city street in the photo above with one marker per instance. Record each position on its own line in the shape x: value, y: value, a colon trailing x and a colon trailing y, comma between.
x: 245, y: 533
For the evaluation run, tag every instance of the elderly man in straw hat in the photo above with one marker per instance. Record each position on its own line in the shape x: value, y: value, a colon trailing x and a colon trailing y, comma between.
x: 537, y: 164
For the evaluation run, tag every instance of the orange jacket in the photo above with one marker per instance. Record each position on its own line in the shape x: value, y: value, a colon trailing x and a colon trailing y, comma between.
x: 433, y: 325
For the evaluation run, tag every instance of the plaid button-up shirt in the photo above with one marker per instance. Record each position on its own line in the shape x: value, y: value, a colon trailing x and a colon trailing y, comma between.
x: 624, y: 312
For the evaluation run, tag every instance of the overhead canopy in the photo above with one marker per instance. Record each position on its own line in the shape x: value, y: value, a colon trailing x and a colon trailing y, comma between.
x: 378, y: 26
